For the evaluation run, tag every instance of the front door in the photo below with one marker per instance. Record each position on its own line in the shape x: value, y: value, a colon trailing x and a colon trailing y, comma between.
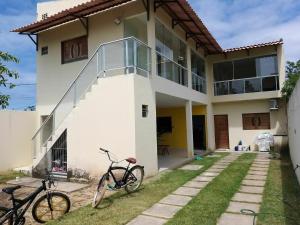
x: 221, y: 131
x: 199, y: 132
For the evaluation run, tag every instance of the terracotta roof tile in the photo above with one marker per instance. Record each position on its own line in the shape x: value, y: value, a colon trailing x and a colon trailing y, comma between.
x: 279, y: 42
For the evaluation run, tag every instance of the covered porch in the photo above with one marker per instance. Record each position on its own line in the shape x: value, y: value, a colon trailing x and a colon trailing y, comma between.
x: 181, y: 129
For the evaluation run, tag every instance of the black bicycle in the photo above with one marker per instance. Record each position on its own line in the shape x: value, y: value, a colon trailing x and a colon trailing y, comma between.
x: 48, y: 207
x: 118, y: 177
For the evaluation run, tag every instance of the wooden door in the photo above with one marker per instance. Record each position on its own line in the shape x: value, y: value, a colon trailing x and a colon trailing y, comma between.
x: 221, y: 131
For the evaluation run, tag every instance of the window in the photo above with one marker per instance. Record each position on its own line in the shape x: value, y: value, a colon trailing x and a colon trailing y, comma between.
x: 198, y: 65
x: 144, y: 111
x: 223, y: 71
x: 266, y: 66
x: 169, y: 45
x: 256, y: 121
x: 44, y: 50
x: 136, y: 27
x: 244, y: 68
x: 74, y: 50
x: 164, y: 124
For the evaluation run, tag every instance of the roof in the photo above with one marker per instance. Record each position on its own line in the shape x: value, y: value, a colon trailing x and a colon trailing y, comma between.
x: 70, y: 14
x: 180, y: 11
x: 248, y: 47
x: 183, y: 14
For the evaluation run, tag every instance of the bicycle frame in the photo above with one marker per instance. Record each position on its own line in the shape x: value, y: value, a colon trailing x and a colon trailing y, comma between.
x: 19, y: 203
x: 111, y: 168
x: 117, y: 182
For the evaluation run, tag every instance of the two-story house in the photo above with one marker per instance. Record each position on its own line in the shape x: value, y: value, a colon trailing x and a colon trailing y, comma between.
x: 146, y: 79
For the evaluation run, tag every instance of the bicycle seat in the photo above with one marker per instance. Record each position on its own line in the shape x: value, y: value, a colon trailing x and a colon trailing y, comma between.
x: 131, y: 160
x: 10, y: 190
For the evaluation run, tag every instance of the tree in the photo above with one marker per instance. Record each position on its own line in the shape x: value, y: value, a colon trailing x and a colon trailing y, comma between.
x: 293, y: 74
x: 5, y: 75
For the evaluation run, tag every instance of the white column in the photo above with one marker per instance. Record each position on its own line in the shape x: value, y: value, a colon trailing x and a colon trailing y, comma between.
x: 151, y: 38
x: 209, y: 107
x: 189, y: 128
x: 189, y: 66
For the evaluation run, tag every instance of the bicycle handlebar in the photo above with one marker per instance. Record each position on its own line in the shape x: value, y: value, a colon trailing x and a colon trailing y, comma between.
x: 103, y: 150
x: 49, y: 178
x: 108, y: 155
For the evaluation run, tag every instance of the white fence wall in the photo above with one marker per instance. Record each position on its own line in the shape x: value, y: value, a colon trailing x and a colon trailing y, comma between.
x: 16, y: 131
x: 294, y: 127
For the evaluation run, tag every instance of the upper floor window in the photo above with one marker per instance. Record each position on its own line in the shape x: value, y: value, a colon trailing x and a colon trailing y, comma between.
x: 198, y: 64
x: 169, y: 45
x: 246, y: 75
x: 136, y: 27
x: 74, y: 49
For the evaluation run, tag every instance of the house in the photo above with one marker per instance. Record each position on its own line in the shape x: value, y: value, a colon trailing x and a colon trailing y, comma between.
x: 146, y: 79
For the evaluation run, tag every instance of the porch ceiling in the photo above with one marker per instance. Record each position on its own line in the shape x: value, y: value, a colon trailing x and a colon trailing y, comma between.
x: 165, y: 101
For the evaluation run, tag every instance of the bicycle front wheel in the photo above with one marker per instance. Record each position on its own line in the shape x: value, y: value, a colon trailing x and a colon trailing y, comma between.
x: 51, y: 207
x: 100, y: 191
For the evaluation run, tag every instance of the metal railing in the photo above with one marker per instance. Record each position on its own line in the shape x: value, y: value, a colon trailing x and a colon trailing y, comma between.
x: 171, y: 70
x: 124, y: 56
x: 198, y: 83
x: 247, y: 85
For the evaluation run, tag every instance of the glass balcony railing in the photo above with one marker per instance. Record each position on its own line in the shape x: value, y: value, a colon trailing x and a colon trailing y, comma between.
x: 171, y: 70
x: 124, y: 56
x: 198, y: 83
x: 247, y: 85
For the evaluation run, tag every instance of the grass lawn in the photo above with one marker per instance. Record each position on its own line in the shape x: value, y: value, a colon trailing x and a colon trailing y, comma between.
x: 213, y: 200
x: 9, y: 175
x: 120, y: 208
x: 281, y: 184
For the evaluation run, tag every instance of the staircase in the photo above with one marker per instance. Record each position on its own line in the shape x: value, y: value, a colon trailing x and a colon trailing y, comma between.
x: 124, y: 56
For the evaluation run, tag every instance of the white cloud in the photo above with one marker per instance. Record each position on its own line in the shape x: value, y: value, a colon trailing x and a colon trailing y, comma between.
x: 238, y: 23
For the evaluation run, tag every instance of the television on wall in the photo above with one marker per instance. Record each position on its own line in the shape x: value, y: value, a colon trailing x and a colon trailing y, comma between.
x: 164, y: 124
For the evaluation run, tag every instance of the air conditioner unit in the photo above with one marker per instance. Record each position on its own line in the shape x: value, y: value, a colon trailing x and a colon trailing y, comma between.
x: 273, y: 104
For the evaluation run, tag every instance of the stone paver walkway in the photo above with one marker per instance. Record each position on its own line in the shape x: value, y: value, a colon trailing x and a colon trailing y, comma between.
x: 249, y: 195
x: 167, y: 207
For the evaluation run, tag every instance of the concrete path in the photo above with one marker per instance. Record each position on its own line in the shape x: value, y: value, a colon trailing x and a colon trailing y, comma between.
x: 249, y: 195
x: 167, y: 207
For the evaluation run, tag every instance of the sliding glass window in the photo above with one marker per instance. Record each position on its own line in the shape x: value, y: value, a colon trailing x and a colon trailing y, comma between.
x: 246, y: 75
x: 171, y: 55
x: 198, y: 73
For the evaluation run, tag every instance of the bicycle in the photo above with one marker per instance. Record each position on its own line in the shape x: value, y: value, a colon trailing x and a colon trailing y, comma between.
x: 48, y: 207
x: 131, y: 180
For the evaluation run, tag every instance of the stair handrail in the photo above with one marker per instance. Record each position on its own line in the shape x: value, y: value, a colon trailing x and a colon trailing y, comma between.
x: 78, y: 76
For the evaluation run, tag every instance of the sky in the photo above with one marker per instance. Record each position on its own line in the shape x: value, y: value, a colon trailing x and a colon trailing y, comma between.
x: 233, y: 23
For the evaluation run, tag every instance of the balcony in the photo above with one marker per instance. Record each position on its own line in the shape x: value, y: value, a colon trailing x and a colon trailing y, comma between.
x: 177, y: 73
x: 247, y: 85
x: 198, y: 83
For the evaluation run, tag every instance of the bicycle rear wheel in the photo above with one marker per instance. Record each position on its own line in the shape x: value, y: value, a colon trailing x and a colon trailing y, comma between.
x: 100, y: 191
x: 134, y: 178
x: 50, y: 207
x: 3, y: 212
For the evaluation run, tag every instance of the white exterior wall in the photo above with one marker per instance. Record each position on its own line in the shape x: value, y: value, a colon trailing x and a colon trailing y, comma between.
x: 111, y: 117
x: 53, y: 77
x: 234, y: 110
x: 294, y: 127
x: 17, y: 129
